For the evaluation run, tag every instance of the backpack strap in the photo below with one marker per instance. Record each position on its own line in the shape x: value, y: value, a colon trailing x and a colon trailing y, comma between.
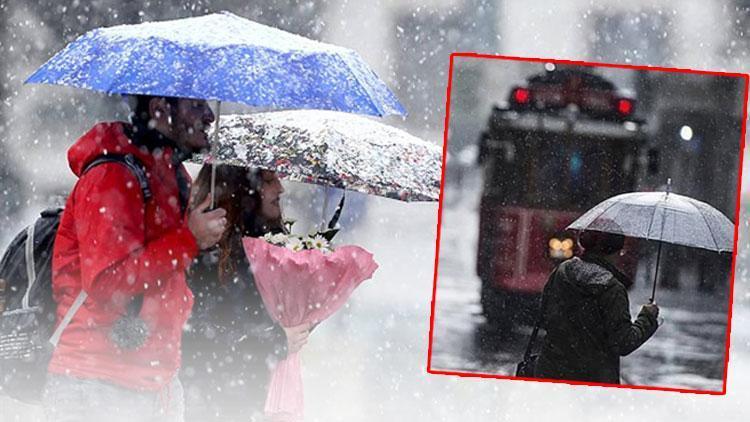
x: 132, y: 163
x: 31, y: 262
x: 30, y: 265
x: 539, y: 319
x: 82, y: 295
x: 139, y: 171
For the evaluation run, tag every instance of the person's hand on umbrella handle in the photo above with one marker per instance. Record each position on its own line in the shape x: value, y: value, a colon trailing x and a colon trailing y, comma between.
x: 296, y: 336
x: 207, y: 226
x: 651, y: 309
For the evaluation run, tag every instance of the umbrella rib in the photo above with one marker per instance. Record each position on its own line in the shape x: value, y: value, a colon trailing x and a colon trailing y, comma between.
x: 651, y: 223
x: 707, y: 226
x: 605, y: 210
x: 365, y: 87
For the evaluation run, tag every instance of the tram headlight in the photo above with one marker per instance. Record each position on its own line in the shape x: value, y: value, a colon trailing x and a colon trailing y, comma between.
x: 567, y: 244
x: 555, y: 244
x: 561, y: 249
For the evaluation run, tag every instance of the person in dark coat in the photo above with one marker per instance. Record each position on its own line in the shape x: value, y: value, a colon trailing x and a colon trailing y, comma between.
x: 586, y: 315
x: 231, y: 343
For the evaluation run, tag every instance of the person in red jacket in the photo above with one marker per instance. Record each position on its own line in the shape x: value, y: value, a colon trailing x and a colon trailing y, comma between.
x: 122, y: 248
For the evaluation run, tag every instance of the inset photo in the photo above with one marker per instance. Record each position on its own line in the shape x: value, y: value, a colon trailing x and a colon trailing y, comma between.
x: 588, y: 223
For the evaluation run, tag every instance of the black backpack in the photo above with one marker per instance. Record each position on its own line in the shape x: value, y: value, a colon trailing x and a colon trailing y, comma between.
x: 27, y: 309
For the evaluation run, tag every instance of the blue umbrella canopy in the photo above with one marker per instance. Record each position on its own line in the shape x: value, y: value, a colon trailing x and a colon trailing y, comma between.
x: 221, y: 57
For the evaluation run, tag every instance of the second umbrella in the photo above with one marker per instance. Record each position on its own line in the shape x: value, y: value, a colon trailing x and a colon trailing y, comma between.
x: 333, y: 149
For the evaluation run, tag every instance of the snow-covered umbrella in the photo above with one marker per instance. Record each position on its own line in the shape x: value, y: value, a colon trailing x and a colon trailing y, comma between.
x: 664, y: 217
x: 220, y: 57
x: 333, y: 149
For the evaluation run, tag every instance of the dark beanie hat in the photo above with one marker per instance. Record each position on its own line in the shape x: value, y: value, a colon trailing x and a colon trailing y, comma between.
x: 600, y: 242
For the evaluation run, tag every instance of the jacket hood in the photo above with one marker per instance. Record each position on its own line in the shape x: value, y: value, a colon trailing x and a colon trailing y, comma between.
x: 587, y: 276
x: 104, y: 138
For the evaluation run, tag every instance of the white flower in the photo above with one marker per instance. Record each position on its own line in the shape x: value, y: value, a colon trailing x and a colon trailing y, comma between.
x: 320, y: 243
x: 308, y: 242
x: 295, y: 244
x: 279, y: 239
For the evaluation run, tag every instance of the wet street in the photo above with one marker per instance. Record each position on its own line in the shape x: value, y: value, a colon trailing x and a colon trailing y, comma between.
x: 687, y: 351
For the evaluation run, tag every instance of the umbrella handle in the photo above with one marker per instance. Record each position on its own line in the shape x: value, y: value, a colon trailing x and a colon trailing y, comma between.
x: 658, y: 254
x: 336, y: 214
x: 656, y: 275
x: 213, y: 158
x: 323, y: 211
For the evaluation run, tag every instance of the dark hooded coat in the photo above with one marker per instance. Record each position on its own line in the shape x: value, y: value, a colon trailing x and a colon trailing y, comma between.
x: 230, y: 345
x: 586, y: 315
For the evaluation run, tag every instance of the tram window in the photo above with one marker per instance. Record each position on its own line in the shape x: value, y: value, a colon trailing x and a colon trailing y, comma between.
x: 653, y: 161
x: 551, y: 172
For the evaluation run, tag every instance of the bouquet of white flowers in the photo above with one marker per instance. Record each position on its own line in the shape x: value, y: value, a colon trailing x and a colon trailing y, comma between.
x: 302, y: 279
x: 320, y: 241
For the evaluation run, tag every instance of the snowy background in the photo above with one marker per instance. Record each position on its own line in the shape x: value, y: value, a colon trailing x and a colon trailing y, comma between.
x: 368, y: 363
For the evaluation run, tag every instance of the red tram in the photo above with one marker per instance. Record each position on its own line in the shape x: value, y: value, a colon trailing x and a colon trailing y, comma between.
x: 566, y: 141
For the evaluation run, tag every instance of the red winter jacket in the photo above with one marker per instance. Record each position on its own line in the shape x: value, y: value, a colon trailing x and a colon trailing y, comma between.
x: 107, y: 246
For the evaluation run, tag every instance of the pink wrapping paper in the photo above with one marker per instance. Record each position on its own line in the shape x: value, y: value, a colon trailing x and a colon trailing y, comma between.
x: 300, y: 287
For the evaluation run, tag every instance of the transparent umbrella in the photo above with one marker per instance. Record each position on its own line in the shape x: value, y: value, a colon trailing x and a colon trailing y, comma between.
x: 664, y: 217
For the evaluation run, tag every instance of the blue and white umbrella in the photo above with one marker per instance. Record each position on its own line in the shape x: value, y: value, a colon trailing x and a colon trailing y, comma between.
x: 221, y: 57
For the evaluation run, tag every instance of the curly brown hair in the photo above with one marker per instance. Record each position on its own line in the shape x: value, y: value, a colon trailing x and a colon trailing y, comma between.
x: 237, y: 192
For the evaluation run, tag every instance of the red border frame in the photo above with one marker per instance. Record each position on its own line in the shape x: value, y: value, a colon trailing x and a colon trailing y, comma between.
x: 744, y: 76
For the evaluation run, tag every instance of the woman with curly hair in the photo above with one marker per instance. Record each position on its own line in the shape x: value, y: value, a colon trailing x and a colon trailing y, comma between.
x: 231, y: 343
